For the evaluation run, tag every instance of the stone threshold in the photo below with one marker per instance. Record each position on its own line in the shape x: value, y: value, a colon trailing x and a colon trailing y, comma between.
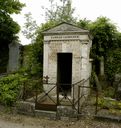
x: 108, y: 117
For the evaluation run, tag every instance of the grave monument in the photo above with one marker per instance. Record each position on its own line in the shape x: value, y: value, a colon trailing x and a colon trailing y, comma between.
x: 66, y: 58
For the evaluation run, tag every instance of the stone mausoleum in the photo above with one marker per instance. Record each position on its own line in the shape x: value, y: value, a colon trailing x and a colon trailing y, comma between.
x: 66, y: 72
x: 66, y: 58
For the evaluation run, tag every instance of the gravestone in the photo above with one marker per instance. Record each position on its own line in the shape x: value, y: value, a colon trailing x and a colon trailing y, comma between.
x: 14, y: 57
x: 117, y: 85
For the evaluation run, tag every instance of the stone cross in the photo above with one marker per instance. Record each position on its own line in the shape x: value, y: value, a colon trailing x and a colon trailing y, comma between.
x: 46, y: 78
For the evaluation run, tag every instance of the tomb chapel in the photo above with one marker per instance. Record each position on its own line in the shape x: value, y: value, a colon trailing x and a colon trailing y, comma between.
x: 66, y: 57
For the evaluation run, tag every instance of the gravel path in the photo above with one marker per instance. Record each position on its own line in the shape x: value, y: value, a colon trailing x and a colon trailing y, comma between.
x: 6, y: 124
x: 21, y: 121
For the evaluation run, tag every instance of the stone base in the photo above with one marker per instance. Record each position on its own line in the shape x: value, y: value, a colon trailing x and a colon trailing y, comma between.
x: 25, y: 107
x: 49, y: 114
x: 66, y: 113
x: 63, y: 112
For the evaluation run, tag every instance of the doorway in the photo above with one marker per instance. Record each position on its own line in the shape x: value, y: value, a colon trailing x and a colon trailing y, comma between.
x: 64, y: 73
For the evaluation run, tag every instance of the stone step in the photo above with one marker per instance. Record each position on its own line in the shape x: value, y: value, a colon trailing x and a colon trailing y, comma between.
x: 25, y: 107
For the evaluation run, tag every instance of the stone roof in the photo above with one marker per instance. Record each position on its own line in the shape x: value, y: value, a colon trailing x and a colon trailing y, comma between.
x: 65, y: 28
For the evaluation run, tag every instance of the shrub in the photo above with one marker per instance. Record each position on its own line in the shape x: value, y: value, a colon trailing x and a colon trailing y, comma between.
x: 9, y: 88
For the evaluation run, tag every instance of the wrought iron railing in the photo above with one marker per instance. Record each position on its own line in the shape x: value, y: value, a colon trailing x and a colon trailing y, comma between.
x: 47, y: 100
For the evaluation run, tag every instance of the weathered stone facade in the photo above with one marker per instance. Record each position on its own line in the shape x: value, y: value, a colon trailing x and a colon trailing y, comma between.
x: 66, y: 38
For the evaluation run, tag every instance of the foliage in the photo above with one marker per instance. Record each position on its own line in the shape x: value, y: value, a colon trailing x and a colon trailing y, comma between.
x: 103, y: 32
x: 37, y: 58
x: 10, y: 6
x: 34, y: 61
x: 106, y: 42
x: 109, y: 103
x: 109, y: 92
x: 113, y: 63
x: 32, y: 86
x: 19, y: 85
x: 8, y: 28
x: 10, y: 87
x: 30, y: 27
x: 84, y: 23
x: 32, y: 83
x: 62, y: 12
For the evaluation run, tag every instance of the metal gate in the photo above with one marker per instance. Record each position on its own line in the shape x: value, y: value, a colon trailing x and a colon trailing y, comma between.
x: 83, y: 98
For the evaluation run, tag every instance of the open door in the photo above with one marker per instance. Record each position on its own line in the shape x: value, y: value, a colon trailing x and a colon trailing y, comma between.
x: 64, y: 73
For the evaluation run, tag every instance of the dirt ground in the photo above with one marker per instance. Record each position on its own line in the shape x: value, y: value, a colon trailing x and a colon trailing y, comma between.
x: 12, y: 120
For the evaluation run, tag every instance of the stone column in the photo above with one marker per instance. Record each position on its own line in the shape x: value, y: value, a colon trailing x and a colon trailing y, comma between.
x: 45, y: 68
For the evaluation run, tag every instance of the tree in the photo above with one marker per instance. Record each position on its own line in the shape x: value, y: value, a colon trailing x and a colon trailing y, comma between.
x: 113, y: 64
x: 106, y: 43
x: 8, y: 28
x: 30, y: 27
x: 10, y: 6
x: 104, y: 33
x: 84, y: 23
x: 34, y: 65
x: 59, y: 13
x: 55, y: 15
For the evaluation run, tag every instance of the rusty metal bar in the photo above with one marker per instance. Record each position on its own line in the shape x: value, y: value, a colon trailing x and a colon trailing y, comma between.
x: 78, y: 82
x: 73, y: 97
x: 24, y: 92
x: 36, y: 96
x: 96, y: 109
x: 78, y: 99
x: 57, y: 88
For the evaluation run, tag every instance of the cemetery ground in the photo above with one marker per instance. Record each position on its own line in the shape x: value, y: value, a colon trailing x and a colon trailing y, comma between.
x: 13, y: 120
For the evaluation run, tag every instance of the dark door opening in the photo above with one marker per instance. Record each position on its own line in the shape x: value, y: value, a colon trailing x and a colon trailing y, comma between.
x: 64, y: 72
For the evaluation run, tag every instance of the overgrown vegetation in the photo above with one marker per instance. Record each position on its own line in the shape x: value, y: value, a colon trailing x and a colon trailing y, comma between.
x: 17, y: 86
x: 106, y: 43
x: 8, y: 28
x: 109, y: 106
x: 10, y: 87
x: 113, y: 64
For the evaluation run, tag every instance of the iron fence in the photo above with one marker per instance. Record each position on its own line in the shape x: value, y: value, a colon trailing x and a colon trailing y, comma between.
x: 86, y: 100
x: 78, y: 99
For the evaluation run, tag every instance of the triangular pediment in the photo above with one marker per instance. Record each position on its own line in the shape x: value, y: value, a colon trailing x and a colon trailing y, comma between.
x: 65, y: 28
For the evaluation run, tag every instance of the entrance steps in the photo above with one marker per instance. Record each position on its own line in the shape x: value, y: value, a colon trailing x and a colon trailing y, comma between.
x: 62, y: 112
x: 48, y: 107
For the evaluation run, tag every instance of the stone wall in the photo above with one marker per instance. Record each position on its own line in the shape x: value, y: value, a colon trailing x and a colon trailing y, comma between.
x: 80, y: 49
